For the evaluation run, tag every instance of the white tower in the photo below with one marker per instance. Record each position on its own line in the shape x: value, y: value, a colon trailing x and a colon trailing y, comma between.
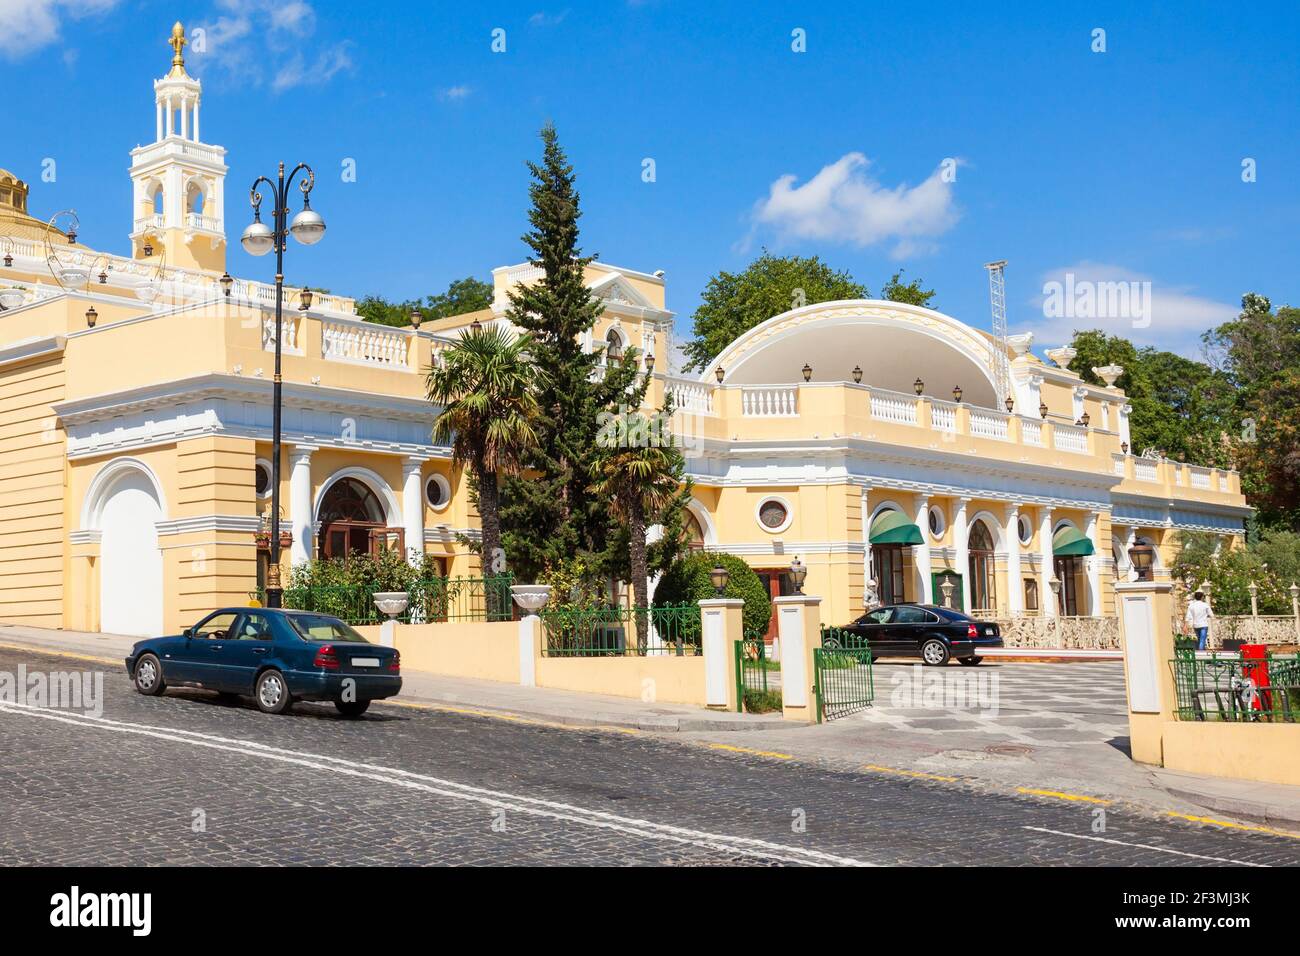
x: 179, y: 195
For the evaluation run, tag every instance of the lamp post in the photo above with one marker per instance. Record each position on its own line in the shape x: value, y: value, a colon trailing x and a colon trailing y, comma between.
x: 719, y: 577
x: 798, y: 574
x: 307, y: 227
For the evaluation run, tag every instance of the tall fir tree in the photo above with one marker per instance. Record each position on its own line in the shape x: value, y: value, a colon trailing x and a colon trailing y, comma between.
x: 549, y: 515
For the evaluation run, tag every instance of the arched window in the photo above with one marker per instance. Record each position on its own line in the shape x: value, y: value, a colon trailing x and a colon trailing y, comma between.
x: 613, y: 346
x: 157, y: 200
x: 983, y: 592
x: 694, y: 533
x: 194, y: 198
x: 352, y: 521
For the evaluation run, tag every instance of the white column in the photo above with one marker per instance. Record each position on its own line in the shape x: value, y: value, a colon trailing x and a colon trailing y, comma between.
x: 1046, y: 559
x: 413, y: 507
x: 196, y: 121
x: 1124, y: 435
x: 185, y: 118
x: 1094, y: 564
x: 962, y: 544
x: 301, y: 519
x: 1015, y: 587
x: 170, y: 110
x: 1130, y: 540
x: 865, y: 509
x: 921, y: 552
x: 159, y: 118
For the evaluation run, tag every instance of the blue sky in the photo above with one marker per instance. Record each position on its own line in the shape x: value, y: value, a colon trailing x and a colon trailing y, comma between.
x: 1116, y: 165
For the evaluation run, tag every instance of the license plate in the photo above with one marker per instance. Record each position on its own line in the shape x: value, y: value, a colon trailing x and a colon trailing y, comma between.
x: 988, y: 632
x: 365, y: 662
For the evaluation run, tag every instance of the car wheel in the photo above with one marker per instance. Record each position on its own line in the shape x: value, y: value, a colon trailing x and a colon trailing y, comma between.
x: 352, y: 708
x: 272, y: 693
x: 934, y: 652
x: 148, y: 676
x: 971, y: 661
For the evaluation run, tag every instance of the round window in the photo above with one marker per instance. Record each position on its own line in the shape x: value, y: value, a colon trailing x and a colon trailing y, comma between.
x: 1024, y: 529
x: 437, y: 492
x: 937, y: 522
x: 773, y: 515
x: 262, y: 479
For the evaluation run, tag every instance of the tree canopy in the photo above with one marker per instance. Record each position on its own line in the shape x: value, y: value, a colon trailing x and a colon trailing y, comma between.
x: 463, y: 295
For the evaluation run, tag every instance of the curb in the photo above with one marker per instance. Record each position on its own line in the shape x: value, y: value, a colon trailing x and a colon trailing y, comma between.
x: 1245, y: 808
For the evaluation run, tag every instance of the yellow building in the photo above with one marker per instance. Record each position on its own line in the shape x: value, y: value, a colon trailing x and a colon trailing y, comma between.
x: 135, y: 431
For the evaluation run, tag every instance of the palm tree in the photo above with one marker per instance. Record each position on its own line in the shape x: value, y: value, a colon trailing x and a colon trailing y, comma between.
x: 639, y: 480
x: 484, y: 385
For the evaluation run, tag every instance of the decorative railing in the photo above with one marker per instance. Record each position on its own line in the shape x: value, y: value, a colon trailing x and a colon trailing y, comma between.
x: 893, y: 407
x: 1070, y: 438
x: 1031, y: 432
x: 196, y: 221
x: 1200, y: 477
x: 943, y: 416
x: 776, y: 401
x: 690, y: 396
x: 1228, y: 688
x: 289, y: 328
x: 432, y: 600
x: 670, y: 629
x: 1077, y: 633
x: 1146, y: 469
x: 149, y: 222
x: 985, y: 423
x: 365, y: 343
x: 1117, y: 464
x: 1273, y: 629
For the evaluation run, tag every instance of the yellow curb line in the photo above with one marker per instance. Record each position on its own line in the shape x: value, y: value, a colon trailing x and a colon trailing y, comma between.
x: 50, y: 652
x: 909, y: 773
x: 501, y: 715
x: 1060, y: 795
x: 1232, y: 826
x: 747, y: 750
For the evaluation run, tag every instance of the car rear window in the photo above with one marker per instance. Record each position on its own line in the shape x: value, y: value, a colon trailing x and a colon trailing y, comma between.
x: 321, y: 627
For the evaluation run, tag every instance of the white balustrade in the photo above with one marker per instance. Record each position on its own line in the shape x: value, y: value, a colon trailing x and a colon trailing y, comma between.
x: 985, y: 423
x: 366, y: 343
x: 690, y: 396
x: 1070, y: 438
x: 893, y: 407
x: 1201, y: 478
x: 1118, y: 464
x: 1224, y: 485
x: 1031, y: 431
x: 776, y: 401
x: 289, y: 327
x: 1146, y: 469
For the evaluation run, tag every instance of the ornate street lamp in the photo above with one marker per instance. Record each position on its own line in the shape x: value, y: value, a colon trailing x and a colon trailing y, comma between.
x: 857, y: 375
x: 719, y: 577
x: 956, y: 393
x: 304, y: 299
x: 1042, y: 409
x: 1084, y: 419
x: 720, y: 374
x: 1142, y: 557
x: 1010, y: 404
x: 226, y: 283
x: 798, y: 574
x: 258, y: 239
x: 91, y: 317
x: 1123, y: 446
x: 476, y: 326
x: 416, y: 318
x: 807, y: 372
x: 918, y: 386
x: 650, y: 362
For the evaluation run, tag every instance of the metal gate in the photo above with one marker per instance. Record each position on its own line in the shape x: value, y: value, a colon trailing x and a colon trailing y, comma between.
x: 758, y: 680
x: 842, y: 681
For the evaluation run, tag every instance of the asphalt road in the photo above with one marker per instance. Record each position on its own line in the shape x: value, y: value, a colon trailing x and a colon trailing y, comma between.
x: 183, y: 779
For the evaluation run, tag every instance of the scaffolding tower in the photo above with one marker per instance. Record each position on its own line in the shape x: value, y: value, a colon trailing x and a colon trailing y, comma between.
x: 998, y: 302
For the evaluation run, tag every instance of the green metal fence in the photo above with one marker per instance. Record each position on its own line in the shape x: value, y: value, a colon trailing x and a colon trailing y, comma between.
x: 1226, y: 687
x: 758, y: 680
x: 431, y: 600
x: 621, y: 631
x: 842, y: 679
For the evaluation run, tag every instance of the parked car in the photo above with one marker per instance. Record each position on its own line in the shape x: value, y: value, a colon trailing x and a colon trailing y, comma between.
x: 274, y: 656
x: 934, y: 634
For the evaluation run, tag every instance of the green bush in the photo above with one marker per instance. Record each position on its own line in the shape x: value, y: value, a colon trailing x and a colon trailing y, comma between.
x: 762, y: 701
x: 688, y: 581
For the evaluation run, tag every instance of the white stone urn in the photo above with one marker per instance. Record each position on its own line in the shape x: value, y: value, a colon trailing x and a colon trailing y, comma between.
x: 1021, y: 343
x: 531, y: 597
x: 12, y: 298
x: 1062, y: 356
x: 391, y: 603
x: 1109, y: 373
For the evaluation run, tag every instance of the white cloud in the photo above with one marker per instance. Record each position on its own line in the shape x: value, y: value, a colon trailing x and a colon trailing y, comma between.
x: 543, y: 19
x: 455, y: 93
x: 30, y: 25
x: 251, y: 35
x: 844, y: 203
x: 1168, y: 316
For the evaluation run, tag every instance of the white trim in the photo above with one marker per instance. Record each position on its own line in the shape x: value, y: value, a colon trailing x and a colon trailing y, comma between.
x: 101, y: 487
x: 372, y: 480
x: 270, y: 478
x: 994, y: 525
x: 443, y: 484
x: 784, y: 503
x: 707, y: 525
x: 943, y: 522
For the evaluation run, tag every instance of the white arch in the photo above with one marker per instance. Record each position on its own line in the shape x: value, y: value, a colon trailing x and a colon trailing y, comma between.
x: 373, y: 481
x: 101, y: 488
x: 994, y: 527
x: 702, y: 515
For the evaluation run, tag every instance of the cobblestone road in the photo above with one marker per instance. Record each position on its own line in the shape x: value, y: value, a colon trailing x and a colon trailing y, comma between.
x: 423, y: 786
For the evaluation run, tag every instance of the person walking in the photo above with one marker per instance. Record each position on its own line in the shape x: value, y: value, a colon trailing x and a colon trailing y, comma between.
x: 1198, y: 618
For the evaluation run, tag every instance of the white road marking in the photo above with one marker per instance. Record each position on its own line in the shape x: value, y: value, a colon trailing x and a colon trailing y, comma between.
x: 1144, y: 846
x: 457, y: 791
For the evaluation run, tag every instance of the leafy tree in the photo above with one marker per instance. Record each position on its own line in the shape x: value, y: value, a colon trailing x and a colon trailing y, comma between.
x: 550, y: 517
x: 1272, y: 564
x: 1259, y: 353
x: 688, y: 581
x: 733, y: 303
x: 463, y: 295
x: 896, y: 290
x: 639, y: 479
x: 1180, y: 406
x: 489, y: 416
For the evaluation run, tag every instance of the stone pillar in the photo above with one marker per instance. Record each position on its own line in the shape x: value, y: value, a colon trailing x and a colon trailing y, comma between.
x: 1125, y: 435
x: 171, y: 109
x: 721, y: 625
x: 301, y: 519
x: 530, y: 649
x: 960, y: 541
x: 798, y: 619
x: 159, y: 118
x: 921, y: 552
x: 413, y: 508
x: 1094, y: 564
x: 1046, y: 558
x: 185, y: 118
x: 1015, y: 587
x: 865, y: 509
x: 196, y: 121
x: 1145, y: 611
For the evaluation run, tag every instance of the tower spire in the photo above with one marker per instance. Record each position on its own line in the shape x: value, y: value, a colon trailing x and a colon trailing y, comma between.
x: 177, y: 43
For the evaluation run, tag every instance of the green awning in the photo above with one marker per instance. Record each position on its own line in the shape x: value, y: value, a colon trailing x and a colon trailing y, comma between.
x: 892, y: 527
x: 1071, y: 542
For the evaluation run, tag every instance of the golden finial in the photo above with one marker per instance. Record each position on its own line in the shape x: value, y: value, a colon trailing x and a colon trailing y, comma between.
x: 177, y: 43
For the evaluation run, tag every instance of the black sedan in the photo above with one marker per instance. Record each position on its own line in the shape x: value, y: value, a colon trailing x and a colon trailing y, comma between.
x: 934, y: 634
x: 274, y: 656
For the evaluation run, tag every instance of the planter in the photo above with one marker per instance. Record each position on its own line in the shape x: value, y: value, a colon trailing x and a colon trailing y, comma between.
x: 531, y: 597
x: 391, y: 603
